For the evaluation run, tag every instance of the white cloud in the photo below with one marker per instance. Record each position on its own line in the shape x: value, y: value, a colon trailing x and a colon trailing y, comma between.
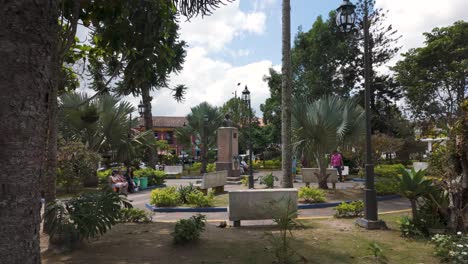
x: 413, y: 17
x: 215, y: 31
x: 213, y: 81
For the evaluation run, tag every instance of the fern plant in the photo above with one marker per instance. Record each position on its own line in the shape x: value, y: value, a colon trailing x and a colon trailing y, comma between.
x: 89, y: 215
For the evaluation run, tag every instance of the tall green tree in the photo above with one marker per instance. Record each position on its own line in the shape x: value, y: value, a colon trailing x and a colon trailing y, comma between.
x: 324, y: 60
x: 322, y: 126
x: 286, y: 97
x: 272, y: 107
x: 196, y: 128
x: 433, y: 77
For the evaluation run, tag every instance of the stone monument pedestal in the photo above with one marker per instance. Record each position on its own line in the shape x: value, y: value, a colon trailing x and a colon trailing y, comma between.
x: 228, y: 152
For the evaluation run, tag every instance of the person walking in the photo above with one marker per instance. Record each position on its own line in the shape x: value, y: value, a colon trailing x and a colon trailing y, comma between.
x: 336, y: 161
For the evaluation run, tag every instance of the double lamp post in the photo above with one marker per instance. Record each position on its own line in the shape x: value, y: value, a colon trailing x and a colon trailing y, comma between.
x: 345, y: 19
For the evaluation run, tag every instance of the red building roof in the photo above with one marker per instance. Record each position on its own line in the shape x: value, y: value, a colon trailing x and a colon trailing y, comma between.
x: 167, y: 121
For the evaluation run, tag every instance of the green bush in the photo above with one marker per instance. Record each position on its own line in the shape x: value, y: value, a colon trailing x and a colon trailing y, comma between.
x: 135, y: 215
x: 386, y: 186
x: 245, y: 180
x: 268, y: 180
x: 187, y: 230
x: 196, y: 166
x: 199, y: 199
x: 165, y: 197
x: 408, y: 228
x: 451, y: 248
x: 211, y: 167
x: 76, y: 165
x: 352, y: 209
x: 103, y: 176
x: 184, y: 191
x: 155, y: 177
x: 89, y: 215
x: 388, y: 171
x: 312, y: 195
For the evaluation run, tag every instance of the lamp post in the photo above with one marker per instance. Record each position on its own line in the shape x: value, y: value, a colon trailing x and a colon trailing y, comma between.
x: 345, y: 20
x: 246, y: 99
x: 205, y: 143
x: 141, y: 108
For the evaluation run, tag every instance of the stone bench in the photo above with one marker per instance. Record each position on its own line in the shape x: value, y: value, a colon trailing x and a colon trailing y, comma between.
x: 310, y: 175
x: 215, y: 180
x: 172, y: 170
x: 259, y: 204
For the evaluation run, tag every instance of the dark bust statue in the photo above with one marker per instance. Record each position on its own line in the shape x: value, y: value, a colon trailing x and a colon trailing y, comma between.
x: 227, y: 122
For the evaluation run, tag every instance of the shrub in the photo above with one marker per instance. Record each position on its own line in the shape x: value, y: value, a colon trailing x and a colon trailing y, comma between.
x: 76, y: 164
x: 352, y: 209
x: 408, y: 228
x: 165, y: 197
x: 196, y: 166
x: 155, y: 177
x: 184, y: 191
x: 451, y: 248
x: 103, y: 176
x: 89, y: 215
x: 211, y: 167
x: 312, y: 195
x: 388, y: 171
x: 268, y: 180
x: 199, y: 199
x: 245, y: 180
x: 187, y: 230
x: 386, y: 186
x: 135, y: 215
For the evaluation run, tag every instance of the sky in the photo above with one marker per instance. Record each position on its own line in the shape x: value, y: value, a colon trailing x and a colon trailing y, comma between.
x: 242, y: 40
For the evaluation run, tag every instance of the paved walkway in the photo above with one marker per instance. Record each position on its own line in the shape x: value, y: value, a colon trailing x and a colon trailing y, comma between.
x: 141, y: 198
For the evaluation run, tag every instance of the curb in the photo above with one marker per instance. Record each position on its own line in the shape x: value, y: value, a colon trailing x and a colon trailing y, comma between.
x: 225, y: 209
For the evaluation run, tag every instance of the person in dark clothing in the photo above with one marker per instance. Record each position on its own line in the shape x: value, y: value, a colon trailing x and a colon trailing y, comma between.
x: 129, y: 178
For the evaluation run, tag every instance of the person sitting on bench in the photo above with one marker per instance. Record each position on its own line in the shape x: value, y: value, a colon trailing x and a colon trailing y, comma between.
x: 118, y: 182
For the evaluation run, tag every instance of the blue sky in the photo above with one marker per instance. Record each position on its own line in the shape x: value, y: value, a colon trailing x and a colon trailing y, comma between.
x: 268, y: 44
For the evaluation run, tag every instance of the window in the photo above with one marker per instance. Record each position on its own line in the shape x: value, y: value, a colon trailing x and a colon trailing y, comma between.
x: 169, y: 137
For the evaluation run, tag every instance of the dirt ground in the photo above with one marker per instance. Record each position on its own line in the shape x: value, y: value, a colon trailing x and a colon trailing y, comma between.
x: 324, y: 241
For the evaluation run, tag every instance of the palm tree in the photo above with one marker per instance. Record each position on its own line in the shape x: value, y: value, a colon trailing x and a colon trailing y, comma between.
x: 323, y: 125
x: 196, y: 128
x: 286, y: 98
x: 103, y: 125
x: 413, y: 185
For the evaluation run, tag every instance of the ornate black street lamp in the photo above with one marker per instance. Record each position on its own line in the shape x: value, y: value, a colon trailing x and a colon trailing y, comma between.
x: 345, y: 16
x: 141, y: 108
x: 345, y: 20
x: 246, y: 99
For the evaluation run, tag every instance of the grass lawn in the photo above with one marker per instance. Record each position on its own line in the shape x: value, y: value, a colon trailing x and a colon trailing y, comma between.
x: 319, y: 241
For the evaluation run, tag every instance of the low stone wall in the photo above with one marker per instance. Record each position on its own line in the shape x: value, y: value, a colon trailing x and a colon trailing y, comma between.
x: 177, y: 169
x: 310, y: 175
x: 214, y: 179
x: 259, y: 204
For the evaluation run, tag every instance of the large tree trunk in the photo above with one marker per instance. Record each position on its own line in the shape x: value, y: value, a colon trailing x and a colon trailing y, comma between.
x: 414, y: 209
x: 148, y: 120
x: 48, y: 180
x: 28, y: 43
x: 286, y: 94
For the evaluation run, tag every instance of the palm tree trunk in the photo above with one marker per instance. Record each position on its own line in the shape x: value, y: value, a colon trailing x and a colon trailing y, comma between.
x: 286, y: 94
x: 148, y: 119
x: 322, y: 182
x: 29, y: 41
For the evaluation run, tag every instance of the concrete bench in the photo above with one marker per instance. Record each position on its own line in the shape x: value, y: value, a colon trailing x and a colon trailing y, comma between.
x: 215, y: 180
x: 310, y: 175
x: 172, y: 170
x: 259, y: 204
